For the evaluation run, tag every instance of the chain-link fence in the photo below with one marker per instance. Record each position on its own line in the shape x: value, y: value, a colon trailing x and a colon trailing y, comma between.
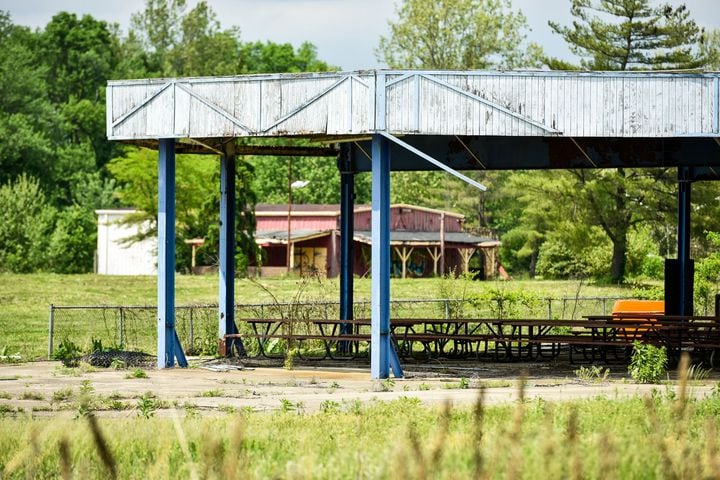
x: 135, y: 327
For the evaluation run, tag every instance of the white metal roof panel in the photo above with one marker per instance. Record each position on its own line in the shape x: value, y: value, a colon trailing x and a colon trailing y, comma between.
x: 471, y: 103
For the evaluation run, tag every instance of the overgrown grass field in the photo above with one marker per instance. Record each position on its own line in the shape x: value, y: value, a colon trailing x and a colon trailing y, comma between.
x: 25, y: 299
x: 666, y: 436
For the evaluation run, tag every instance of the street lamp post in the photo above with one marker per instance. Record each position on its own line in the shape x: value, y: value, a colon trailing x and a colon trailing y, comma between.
x: 291, y: 185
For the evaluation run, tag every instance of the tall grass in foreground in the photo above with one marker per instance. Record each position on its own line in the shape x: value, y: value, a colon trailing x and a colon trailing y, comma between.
x: 662, y: 436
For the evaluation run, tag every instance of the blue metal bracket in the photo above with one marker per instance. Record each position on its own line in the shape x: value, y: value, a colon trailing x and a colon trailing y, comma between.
x: 382, y: 354
x: 168, y: 347
x: 226, y: 301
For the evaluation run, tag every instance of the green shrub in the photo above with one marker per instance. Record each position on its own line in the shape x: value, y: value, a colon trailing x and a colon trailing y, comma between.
x: 653, y: 267
x: 641, y: 256
x: 73, y: 242
x: 146, y: 405
x: 648, y: 363
x: 517, y: 249
x: 505, y: 303
x: 26, y: 222
x: 67, y: 352
x: 137, y: 373
x: 573, y: 251
x: 592, y: 374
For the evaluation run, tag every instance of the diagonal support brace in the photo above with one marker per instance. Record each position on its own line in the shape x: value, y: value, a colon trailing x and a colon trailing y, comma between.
x: 437, y: 163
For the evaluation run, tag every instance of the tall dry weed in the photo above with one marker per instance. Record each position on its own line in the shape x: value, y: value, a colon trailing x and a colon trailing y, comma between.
x: 573, y: 443
x: 478, y: 418
x: 515, y: 461
x: 417, y: 452
x: 184, y: 447
x: 436, y: 453
x: 65, y: 459
x: 235, y: 466
x: 711, y: 460
x: 654, y: 427
x: 102, y: 447
x: 549, y: 448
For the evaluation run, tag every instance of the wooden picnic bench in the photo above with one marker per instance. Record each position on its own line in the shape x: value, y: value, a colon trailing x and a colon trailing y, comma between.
x: 592, y: 338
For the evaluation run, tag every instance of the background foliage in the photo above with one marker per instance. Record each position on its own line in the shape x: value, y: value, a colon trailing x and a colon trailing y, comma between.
x: 56, y: 166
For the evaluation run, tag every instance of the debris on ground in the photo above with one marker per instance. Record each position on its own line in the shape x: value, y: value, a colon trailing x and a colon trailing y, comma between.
x: 123, y: 358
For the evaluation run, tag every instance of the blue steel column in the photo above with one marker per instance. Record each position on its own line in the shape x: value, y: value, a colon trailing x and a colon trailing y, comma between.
x: 683, y: 255
x: 226, y: 301
x: 383, y: 354
x: 347, y: 231
x: 168, y: 344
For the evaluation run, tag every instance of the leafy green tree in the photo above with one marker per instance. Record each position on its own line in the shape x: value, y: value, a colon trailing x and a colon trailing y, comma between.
x: 205, y: 49
x: 73, y: 241
x: 270, y: 180
x: 710, y: 49
x: 246, y: 249
x: 196, y: 201
x: 27, y: 118
x: 456, y: 34
x: 269, y: 57
x: 707, y: 274
x: 631, y: 34
x: 26, y: 222
x: 624, y: 35
x: 156, y: 31
x: 136, y: 174
x: 80, y: 54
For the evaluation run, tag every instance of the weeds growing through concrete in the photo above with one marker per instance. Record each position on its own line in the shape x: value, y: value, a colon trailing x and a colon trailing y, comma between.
x: 662, y: 436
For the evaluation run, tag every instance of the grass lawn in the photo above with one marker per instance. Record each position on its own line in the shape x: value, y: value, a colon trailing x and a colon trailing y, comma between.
x: 25, y: 299
x: 659, y: 437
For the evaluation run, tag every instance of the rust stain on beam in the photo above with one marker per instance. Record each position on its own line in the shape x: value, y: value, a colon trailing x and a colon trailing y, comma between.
x: 212, y: 148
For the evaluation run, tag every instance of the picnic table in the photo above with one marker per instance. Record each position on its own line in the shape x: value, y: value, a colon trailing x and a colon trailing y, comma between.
x: 594, y: 337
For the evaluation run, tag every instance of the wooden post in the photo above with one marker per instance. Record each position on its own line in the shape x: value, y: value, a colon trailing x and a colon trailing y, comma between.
x: 404, y: 255
x: 442, y: 243
x: 288, y: 252
x: 435, y: 255
x: 466, y: 254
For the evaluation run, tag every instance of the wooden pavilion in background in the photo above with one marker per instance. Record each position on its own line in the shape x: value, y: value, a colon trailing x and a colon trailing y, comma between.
x: 425, y: 242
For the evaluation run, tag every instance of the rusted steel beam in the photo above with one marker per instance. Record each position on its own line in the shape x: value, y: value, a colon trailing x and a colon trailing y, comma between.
x: 212, y: 148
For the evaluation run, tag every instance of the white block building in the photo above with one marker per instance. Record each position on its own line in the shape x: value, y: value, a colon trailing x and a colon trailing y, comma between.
x: 114, y: 256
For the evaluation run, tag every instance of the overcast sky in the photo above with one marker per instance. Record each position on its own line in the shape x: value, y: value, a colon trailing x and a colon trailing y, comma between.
x: 345, y: 32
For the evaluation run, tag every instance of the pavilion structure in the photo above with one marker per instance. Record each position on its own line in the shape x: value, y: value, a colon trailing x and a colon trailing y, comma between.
x: 383, y: 120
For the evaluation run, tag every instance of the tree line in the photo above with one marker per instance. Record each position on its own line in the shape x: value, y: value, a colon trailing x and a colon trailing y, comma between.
x: 57, y: 167
x: 611, y: 224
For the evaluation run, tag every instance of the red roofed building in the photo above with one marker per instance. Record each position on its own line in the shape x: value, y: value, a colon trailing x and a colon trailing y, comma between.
x: 415, y: 240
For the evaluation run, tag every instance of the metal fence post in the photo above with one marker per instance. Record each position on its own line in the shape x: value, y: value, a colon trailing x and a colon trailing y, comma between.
x: 549, y: 308
x: 447, y: 310
x: 192, y: 330
x: 51, y: 327
x: 120, y: 329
